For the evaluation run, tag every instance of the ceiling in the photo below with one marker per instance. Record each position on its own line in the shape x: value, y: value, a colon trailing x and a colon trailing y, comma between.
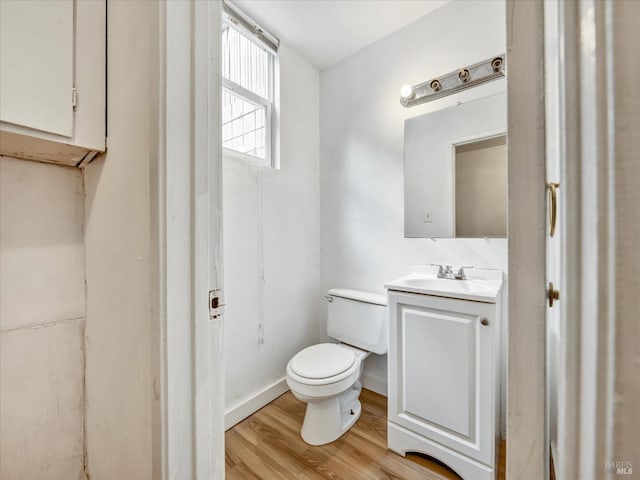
x: 326, y: 31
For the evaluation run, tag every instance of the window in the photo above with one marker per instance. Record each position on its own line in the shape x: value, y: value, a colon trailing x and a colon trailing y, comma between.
x: 248, y: 89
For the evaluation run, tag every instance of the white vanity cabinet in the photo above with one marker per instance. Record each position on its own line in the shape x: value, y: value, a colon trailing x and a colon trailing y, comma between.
x: 52, y: 79
x: 443, y: 380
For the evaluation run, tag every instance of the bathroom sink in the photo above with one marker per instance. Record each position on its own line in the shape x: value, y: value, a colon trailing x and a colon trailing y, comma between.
x: 453, y: 286
x: 482, y: 285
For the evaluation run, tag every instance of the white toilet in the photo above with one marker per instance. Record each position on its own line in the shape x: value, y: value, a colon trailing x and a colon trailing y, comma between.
x: 327, y: 376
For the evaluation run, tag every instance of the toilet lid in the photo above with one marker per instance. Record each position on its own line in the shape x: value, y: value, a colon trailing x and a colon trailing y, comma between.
x: 322, y: 361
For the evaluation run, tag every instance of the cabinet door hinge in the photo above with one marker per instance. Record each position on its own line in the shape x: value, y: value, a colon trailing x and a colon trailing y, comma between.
x: 74, y: 98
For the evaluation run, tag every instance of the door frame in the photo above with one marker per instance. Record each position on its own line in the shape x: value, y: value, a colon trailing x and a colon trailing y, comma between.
x: 187, y: 363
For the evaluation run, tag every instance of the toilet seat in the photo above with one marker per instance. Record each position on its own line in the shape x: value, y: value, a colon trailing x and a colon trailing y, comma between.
x: 322, y: 361
x: 319, y: 361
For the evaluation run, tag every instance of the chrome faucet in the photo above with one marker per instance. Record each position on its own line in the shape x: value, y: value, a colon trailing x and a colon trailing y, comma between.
x: 447, y: 272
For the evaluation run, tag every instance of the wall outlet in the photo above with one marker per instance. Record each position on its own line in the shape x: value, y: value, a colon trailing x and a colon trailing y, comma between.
x: 427, y: 217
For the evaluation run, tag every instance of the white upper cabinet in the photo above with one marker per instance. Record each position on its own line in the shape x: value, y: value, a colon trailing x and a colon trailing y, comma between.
x: 52, y: 79
x: 36, y: 56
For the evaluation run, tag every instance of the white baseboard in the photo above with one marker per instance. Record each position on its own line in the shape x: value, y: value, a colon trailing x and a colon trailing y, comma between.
x: 239, y: 412
x: 375, y: 384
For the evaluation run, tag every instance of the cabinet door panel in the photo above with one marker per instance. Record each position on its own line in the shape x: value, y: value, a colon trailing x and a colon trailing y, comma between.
x: 36, y: 64
x: 438, y: 361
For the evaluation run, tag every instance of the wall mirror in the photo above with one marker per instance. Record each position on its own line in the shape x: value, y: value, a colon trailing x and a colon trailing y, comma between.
x: 455, y: 171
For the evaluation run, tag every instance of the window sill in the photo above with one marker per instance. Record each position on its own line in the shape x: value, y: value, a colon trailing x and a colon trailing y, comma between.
x: 247, y: 159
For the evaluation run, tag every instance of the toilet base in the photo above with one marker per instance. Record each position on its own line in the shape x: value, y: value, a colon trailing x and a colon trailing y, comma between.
x: 328, y: 419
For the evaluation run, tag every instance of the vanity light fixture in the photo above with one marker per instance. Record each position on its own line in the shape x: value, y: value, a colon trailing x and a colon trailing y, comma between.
x: 453, y: 82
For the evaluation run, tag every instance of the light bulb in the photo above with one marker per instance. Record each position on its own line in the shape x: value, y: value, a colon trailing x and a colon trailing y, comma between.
x: 406, y: 91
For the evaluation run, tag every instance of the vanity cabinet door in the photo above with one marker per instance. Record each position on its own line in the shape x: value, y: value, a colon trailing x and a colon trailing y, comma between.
x: 441, y: 371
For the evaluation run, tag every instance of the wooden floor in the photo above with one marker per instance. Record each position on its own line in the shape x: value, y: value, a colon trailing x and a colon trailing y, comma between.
x: 267, y: 445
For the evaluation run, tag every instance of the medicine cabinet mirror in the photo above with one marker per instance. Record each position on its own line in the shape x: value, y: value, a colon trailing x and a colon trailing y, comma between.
x: 455, y: 176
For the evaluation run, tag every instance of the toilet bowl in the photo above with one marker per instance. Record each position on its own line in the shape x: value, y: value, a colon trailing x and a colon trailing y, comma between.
x: 327, y: 376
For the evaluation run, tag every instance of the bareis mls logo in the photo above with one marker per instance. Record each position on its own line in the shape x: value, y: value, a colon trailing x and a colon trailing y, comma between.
x: 619, y: 467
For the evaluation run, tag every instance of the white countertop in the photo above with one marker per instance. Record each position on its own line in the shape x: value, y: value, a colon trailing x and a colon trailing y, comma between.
x: 481, y: 285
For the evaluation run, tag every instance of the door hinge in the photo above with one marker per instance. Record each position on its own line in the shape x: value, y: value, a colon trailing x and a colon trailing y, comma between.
x: 216, y: 303
x: 74, y: 98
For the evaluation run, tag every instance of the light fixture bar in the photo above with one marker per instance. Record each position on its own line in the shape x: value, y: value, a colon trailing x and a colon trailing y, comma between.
x: 453, y: 82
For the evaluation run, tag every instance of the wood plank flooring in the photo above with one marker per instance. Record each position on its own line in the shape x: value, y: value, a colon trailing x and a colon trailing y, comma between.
x: 267, y: 445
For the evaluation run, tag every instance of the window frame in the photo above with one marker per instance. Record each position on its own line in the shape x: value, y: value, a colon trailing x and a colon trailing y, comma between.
x: 270, y: 106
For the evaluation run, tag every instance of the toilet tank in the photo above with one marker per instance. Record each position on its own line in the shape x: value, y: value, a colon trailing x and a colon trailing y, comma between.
x: 359, y: 319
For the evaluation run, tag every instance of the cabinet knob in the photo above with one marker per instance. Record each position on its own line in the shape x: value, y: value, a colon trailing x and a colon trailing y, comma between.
x: 484, y: 321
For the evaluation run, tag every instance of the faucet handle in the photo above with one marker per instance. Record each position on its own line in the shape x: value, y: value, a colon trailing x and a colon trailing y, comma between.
x: 461, y: 274
x: 440, y: 268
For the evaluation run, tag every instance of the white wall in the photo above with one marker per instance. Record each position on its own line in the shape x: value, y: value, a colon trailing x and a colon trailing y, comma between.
x: 361, y: 150
x: 42, y: 301
x: 272, y: 248
x: 119, y: 325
